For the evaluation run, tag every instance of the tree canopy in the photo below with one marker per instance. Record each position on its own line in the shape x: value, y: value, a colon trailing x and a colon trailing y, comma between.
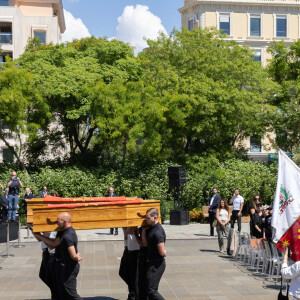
x: 188, y: 94
x: 213, y: 92
x: 64, y: 72
x: 22, y: 109
x: 284, y: 68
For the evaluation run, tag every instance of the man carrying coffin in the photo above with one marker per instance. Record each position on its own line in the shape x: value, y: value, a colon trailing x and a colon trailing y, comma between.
x: 67, y: 266
x: 154, y: 239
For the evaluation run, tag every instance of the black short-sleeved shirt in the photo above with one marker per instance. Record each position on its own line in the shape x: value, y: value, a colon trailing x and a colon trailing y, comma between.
x: 268, y: 228
x: 155, y: 235
x: 14, y: 187
x: 68, y: 238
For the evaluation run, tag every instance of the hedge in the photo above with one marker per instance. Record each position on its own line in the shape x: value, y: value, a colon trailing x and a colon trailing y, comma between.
x: 152, y: 182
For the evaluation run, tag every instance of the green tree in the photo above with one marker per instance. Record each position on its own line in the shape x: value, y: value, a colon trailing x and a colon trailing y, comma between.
x: 64, y: 72
x: 284, y: 69
x: 126, y: 115
x: 22, y: 108
x: 213, y: 92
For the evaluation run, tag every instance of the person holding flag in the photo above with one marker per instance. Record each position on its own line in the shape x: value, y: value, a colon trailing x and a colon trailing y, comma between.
x: 286, y: 219
x: 286, y: 207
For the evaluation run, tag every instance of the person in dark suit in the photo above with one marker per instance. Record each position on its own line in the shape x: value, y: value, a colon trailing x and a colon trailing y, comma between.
x: 213, y: 203
x: 28, y: 195
x: 4, y: 205
x: 44, y: 192
x: 111, y: 193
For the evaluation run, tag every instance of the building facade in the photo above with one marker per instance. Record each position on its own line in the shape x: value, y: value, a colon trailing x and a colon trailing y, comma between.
x: 19, y: 21
x: 254, y: 23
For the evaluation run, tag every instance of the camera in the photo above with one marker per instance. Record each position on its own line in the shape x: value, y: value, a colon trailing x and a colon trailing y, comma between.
x: 15, y: 179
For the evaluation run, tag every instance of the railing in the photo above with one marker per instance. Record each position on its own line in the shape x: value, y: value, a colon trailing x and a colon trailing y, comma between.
x: 5, y: 38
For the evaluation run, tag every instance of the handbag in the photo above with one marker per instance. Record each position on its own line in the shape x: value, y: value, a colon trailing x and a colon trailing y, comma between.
x: 214, y: 224
x: 280, y: 295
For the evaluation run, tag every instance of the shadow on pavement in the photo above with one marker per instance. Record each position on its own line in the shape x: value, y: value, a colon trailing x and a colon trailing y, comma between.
x: 91, y: 298
x: 208, y: 250
x: 99, y: 298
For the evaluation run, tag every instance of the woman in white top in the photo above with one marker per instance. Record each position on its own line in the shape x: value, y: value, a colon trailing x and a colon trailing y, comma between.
x: 223, y: 219
x: 133, y: 243
x: 293, y: 273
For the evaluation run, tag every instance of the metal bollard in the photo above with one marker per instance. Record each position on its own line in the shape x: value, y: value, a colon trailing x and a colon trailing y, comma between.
x: 7, y: 255
x: 19, y: 236
x: 28, y: 236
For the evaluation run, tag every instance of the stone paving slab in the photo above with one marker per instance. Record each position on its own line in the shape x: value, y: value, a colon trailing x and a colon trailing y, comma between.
x: 195, y: 270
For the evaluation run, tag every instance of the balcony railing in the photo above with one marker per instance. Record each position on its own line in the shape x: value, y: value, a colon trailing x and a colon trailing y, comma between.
x: 5, y: 38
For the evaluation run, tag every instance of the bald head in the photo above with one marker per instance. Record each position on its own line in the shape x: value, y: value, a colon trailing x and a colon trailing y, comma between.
x: 64, y: 220
x: 65, y: 216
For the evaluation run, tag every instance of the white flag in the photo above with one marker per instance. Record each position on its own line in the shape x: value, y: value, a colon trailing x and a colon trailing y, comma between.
x: 286, y: 207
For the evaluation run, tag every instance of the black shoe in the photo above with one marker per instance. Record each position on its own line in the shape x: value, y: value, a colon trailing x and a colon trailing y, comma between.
x: 116, y: 233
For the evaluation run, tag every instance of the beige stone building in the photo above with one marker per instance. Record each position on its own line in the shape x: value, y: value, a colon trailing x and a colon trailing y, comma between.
x: 21, y: 20
x: 255, y: 23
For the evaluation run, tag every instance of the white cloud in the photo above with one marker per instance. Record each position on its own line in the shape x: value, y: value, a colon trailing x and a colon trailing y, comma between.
x: 75, y: 29
x: 137, y: 23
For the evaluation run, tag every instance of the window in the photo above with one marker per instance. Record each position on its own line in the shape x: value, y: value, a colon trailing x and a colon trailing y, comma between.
x: 255, y: 143
x: 224, y: 23
x: 281, y: 26
x: 255, y: 22
x: 3, y: 56
x: 4, y: 2
x: 257, y: 55
x: 7, y: 155
x: 191, y: 24
x: 5, y: 33
x: 41, y: 35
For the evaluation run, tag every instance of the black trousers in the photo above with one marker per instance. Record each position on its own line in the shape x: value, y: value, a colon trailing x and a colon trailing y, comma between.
x: 123, y: 271
x: 112, y: 231
x: 66, y: 282
x: 44, y: 266
x: 212, y: 216
x: 50, y: 277
x: 4, y: 214
x: 132, y: 264
x: 142, y: 278
x: 155, y: 270
x: 234, y: 217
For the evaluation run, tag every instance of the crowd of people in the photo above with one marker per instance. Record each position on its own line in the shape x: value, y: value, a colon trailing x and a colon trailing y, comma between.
x: 221, y: 217
x: 10, y: 198
x: 142, y: 264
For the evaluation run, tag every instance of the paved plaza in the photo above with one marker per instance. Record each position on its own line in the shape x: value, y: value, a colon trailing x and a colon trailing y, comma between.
x: 195, y: 269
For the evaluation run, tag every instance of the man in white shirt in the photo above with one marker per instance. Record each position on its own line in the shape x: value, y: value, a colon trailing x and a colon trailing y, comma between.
x: 237, y: 201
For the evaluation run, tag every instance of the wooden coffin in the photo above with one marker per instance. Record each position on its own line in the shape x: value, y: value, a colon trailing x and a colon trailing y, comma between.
x: 88, y: 213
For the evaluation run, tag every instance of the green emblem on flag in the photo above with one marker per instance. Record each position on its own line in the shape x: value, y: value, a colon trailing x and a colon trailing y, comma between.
x: 285, y: 198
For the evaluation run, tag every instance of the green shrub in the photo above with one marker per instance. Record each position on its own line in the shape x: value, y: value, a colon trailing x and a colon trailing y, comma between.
x: 151, y: 182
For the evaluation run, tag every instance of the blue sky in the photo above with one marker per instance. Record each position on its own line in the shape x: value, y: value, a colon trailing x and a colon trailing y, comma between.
x: 100, y: 16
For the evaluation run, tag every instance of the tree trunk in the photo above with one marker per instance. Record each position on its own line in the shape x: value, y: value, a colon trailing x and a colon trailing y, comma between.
x: 21, y: 163
x: 116, y: 166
